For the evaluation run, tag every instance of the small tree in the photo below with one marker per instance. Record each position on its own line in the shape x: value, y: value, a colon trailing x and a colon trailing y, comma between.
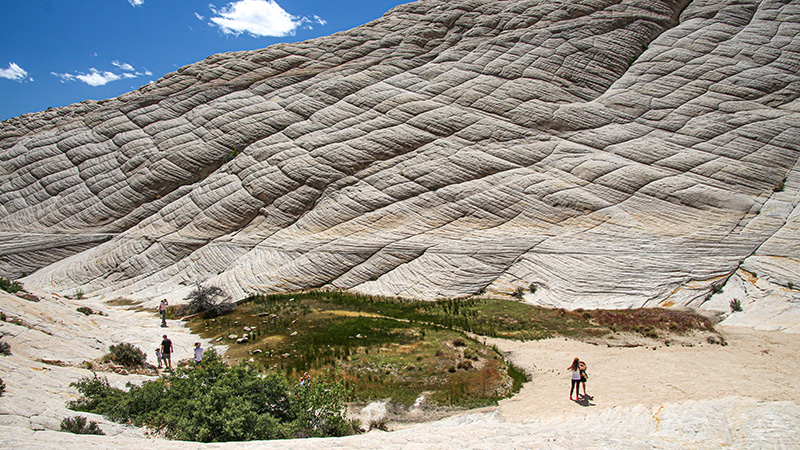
x: 5, y: 348
x: 2, y: 387
x: 210, y: 300
x: 736, y: 305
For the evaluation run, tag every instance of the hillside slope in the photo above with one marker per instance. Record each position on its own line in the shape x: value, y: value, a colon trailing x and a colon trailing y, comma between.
x: 610, y: 153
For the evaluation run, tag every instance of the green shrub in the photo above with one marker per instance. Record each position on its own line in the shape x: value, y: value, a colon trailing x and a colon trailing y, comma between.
x: 2, y: 387
x: 10, y: 286
x: 5, y: 348
x: 378, y: 424
x: 127, y: 355
x: 79, y: 425
x: 736, y: 305
x: 85, y: 310
x: 216, y: 403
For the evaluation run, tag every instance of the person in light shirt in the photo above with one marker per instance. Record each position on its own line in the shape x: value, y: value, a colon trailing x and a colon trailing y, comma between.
x: 198, y: 353
x: 576, y: 379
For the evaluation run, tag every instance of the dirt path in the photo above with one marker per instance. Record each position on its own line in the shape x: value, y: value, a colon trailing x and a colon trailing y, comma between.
x: 760, y: 365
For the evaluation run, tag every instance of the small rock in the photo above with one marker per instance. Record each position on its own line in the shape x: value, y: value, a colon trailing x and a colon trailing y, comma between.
x: 242, y: 340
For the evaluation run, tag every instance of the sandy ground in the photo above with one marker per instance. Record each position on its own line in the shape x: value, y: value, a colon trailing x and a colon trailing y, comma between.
x: 755, y: 364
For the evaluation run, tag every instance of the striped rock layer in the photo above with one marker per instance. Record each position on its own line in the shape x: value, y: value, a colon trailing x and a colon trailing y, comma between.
x: 590, y: 153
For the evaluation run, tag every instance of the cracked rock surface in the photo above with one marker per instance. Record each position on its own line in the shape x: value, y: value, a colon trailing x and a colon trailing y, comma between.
x: 610, y: 153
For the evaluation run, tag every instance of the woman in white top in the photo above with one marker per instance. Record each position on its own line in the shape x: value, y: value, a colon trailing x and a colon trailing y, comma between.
x: 576, y: 379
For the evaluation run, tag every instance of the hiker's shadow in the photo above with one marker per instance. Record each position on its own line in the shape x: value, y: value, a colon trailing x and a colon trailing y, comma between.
x: 586, y: 400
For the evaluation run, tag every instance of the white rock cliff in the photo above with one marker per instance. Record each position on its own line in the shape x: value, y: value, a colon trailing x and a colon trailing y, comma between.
x: 609, y: 153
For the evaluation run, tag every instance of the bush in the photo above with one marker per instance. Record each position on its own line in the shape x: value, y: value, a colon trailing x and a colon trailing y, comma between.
x: 85, y: 310
x: 2, y: 387
x: 10, y: 286
x: 79, y: 425
x: 210, y: 300
x: 5, y: 348
x: 736, y: 305
x: 127, y: 355
x: 216, y: 403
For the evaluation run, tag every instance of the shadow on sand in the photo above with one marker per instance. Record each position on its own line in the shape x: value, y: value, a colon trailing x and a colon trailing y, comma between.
x: 585, y: 400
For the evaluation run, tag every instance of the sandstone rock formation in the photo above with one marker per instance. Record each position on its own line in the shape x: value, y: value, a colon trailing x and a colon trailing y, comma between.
x: 609, y: 153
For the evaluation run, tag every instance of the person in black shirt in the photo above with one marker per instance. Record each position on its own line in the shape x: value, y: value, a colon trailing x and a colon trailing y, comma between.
x: 166, y: 352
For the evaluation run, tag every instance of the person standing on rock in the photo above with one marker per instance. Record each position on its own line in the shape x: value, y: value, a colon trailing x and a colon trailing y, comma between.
x: 576, y: 379
x: 166, y: 352
x: 162, y: 308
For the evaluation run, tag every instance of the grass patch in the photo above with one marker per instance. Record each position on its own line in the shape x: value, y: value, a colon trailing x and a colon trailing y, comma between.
x: 398, y: 349
x: 379, y: 347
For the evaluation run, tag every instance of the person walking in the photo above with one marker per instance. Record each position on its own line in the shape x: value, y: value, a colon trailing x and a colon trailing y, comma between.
x: 162, y: 308
x: 198, y: 353
x: 576, y: 378
x: 584, y: 377
x: 166, y: 352
x: 159, y: 358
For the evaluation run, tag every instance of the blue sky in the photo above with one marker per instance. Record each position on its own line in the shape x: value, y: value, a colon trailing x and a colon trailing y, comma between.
x: 57, y: 52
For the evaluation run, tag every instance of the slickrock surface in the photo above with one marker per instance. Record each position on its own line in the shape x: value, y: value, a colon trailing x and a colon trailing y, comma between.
x: 610, y: 153
x: 667, y: 397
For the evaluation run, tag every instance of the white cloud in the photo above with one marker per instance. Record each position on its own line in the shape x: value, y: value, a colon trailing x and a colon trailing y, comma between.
x: 65, y: 77
x: 136, y: 3
x: 14, y: 72
x: 256, y: 18
x: 123, y: 66
x: 98, y: 78
x: 199, y: 17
